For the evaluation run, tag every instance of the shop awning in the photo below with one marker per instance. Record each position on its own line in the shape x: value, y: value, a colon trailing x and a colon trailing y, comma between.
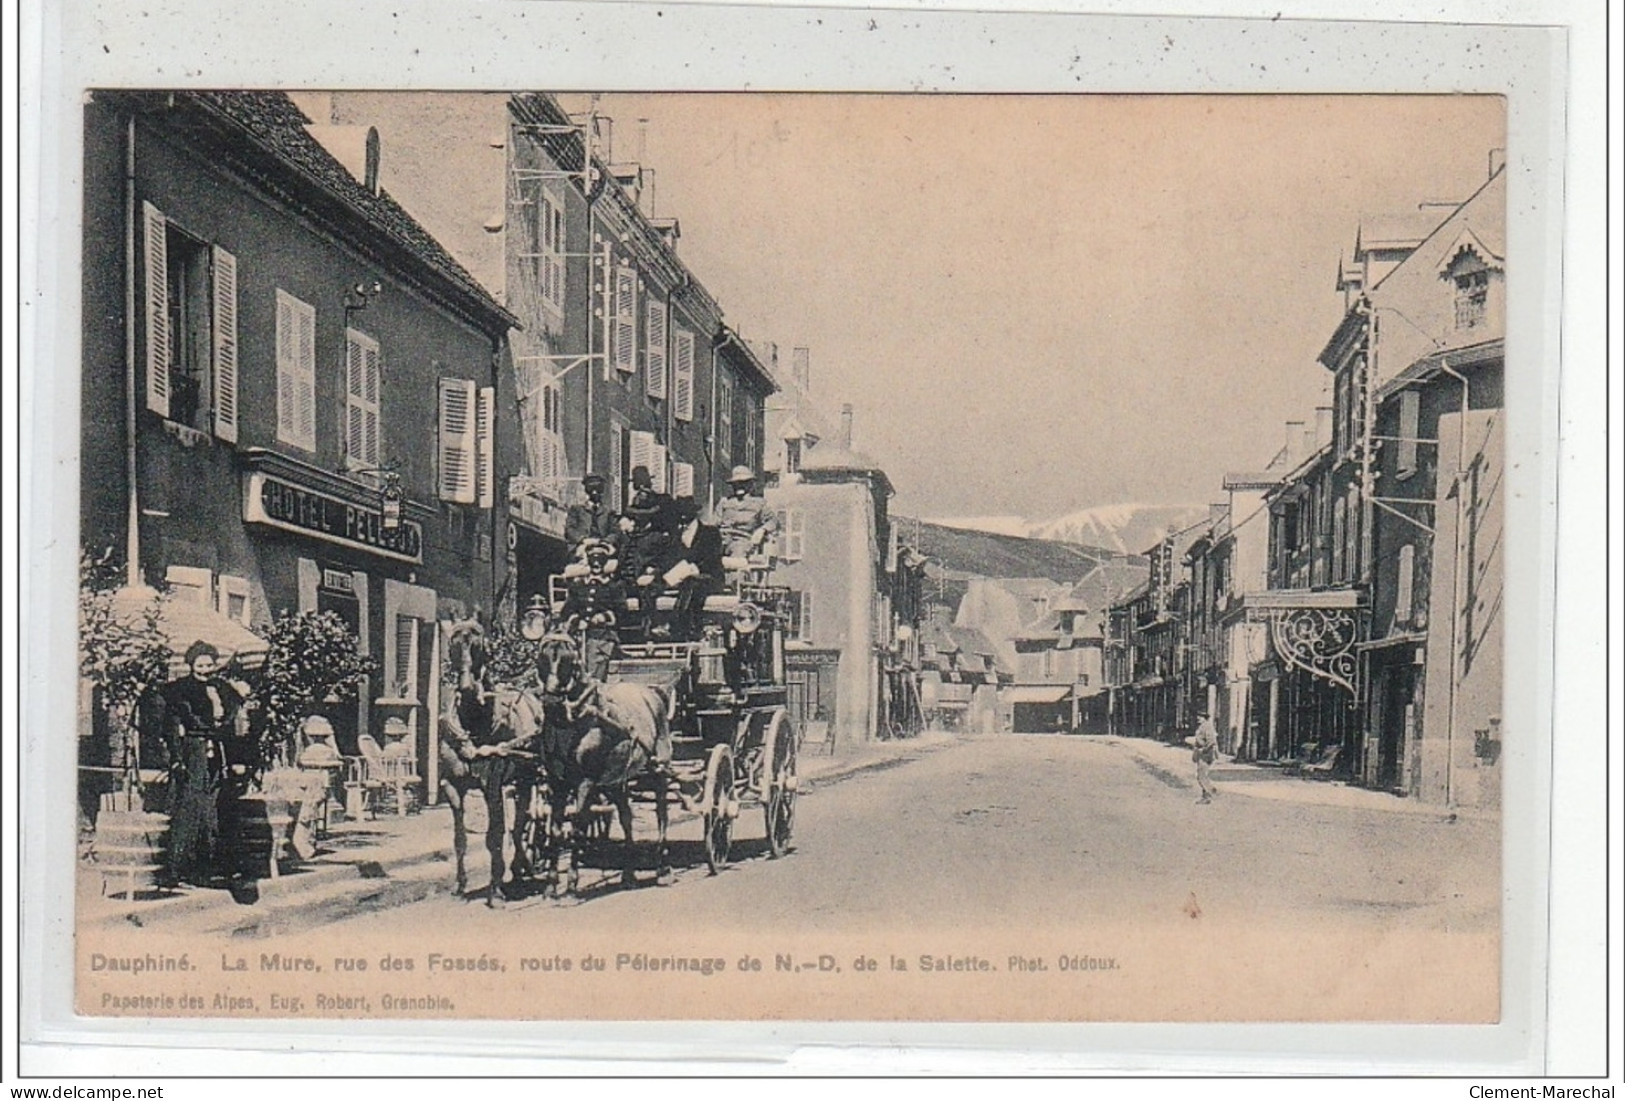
x: 1036, y: 693
x: 184, y: 623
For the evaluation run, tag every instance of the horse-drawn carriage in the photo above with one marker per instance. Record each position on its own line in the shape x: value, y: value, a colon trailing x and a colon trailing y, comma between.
x: 693, y: 711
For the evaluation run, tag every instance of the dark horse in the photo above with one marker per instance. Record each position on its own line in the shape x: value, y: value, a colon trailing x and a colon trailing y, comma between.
x: 599, y: 739
x: 487, y: 744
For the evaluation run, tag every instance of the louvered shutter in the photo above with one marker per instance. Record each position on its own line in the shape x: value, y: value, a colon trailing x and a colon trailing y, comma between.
x: 657, y: 468
x: 225, y: 345
x: 157, y: 309
x: 286, y: 368
x: 682, y: 377
x: 354, y: 420
x: 457, y: 400
x: 655, y: 356
x: 372, y: 385
x: 624, y: 331
x: 682, y: 479
x: 305, y: 388
x: 485, y: 446
x: 643, y: 449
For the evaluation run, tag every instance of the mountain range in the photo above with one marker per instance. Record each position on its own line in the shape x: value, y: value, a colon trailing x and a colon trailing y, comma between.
x: 1121, y: 528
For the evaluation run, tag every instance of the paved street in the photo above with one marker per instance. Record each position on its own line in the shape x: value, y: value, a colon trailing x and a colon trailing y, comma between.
x: 1015, y: 832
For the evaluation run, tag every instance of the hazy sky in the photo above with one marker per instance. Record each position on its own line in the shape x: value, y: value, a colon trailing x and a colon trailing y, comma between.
x: 1044, y: 303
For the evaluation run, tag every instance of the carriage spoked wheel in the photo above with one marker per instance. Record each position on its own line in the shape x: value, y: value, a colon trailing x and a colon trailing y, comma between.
x: 779, y: 803
x: 720, y: 806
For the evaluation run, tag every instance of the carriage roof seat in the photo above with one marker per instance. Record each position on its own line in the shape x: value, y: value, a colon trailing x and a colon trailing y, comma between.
x: 720, y: 603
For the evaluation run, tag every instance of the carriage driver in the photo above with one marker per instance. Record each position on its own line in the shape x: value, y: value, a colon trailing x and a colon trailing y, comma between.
x: 743, y: 516
x: 596, y: 601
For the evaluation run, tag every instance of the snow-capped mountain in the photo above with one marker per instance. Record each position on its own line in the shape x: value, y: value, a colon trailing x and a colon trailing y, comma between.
x: 1124, y: 528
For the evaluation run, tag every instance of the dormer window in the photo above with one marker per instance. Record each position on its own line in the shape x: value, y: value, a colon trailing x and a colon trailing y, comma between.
x: 1472, y: 298
x: 1467, y: 267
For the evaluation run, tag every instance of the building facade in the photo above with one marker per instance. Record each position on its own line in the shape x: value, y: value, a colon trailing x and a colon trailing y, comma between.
x: 270, y: 344
x: 623, y: 359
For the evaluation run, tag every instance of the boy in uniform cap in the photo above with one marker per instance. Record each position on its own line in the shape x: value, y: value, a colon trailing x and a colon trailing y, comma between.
x: 596, y: 602
x: 743, y: 516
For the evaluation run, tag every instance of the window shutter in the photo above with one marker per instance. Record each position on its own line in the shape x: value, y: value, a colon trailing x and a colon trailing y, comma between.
x: 657, y: 469
x: 1403, y: 589
x: 305, y: 390
x: 457, y: 414
x: 804, y: 629
x: 682, y: 379
x: 682, y: 479
x: 295, y: 372
x: 1409, y: 417
x: 643, y: 448
x: 286, y: 368
x: 624, y: 331
x: 355, y: 431
x: 795, y: 531
x: 655, y: 359
x: 157, y: 310
x: 485, y: 442
x: 225, y: 345
x: 372, y: 394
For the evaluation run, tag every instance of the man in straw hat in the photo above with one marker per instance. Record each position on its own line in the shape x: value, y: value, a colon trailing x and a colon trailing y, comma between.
x: 743, y: 516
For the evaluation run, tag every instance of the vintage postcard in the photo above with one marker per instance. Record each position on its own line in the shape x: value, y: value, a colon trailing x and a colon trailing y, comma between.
x: 792, y: 556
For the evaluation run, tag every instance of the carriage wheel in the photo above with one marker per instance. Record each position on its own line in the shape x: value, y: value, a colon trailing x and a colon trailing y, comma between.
x: 780, y: 803
x: 719, y: 812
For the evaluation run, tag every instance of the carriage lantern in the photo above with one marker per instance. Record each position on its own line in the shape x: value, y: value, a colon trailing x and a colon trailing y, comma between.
x: 533, y: 624
x: 747, y: 618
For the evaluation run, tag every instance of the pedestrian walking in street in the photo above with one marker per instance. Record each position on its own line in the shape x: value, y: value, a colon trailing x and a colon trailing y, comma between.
x: 1204, y: 751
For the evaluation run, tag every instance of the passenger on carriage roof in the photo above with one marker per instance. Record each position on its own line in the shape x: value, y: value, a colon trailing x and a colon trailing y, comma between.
x: 593, y: 519
x: 693, y: 564
x: 596, y: 602
x: 743, y: 516
x: 647, y: 525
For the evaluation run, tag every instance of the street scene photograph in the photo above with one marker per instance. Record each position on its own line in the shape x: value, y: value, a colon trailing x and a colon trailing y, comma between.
x: 917, y: 557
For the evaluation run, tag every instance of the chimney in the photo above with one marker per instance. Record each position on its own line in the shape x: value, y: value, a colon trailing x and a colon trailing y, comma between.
x: 846, y: 426
x: 801, y: 368
x: 1323, y: 425
x: 1294, y: 443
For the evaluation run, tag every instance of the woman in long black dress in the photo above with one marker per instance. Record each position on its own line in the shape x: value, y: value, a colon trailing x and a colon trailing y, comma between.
x: 201, y: 708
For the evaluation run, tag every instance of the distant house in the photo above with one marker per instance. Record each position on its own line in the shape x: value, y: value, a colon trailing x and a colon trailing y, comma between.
x: 959, y: 676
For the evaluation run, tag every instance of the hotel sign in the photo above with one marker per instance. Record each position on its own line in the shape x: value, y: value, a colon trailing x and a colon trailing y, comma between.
x: 279, y: 503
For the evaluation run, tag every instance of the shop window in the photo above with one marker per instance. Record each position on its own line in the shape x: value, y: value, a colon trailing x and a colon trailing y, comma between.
x: 191, y: 313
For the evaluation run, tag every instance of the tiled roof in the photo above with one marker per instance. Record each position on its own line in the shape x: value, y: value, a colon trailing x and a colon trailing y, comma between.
x: 276, y: 126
